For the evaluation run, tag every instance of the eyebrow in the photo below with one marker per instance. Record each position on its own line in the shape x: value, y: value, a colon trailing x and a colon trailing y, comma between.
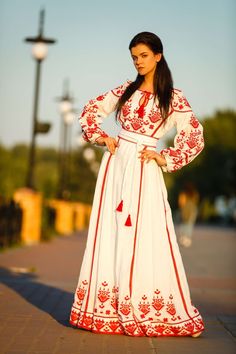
x: 139, y: 54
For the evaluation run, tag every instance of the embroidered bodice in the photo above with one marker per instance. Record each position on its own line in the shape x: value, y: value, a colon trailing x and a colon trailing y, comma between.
x: 141, y: 114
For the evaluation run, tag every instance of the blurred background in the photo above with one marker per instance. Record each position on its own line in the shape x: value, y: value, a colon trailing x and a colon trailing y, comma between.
x: 56, y: 55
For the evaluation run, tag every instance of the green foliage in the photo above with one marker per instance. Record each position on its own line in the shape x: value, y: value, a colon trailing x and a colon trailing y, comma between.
x: 12, y: 169
x: 80, y: 179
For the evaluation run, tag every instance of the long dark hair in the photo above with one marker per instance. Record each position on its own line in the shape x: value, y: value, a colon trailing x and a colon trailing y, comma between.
x: 163, y: 82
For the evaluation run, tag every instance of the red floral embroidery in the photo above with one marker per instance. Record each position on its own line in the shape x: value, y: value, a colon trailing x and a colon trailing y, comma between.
x: 126, y: 109
x: 99, y: 323
x: 154, y: 115
x: 136, y: 123
x: 101, y: 97
x: 144, y: 306
x: 107, y: 323
x: 103, y: 293
x: 121, y: 89
x: 125, y: 307
x: 179, y: 102
x: 194, y: 122
x: 170, y: 308
x: 81, y: 293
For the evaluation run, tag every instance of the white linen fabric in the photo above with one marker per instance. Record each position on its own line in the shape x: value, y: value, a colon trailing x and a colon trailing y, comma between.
x: 132, y: 279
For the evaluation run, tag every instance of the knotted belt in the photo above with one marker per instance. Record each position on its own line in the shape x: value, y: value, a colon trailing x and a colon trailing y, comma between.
x: 140, y: 141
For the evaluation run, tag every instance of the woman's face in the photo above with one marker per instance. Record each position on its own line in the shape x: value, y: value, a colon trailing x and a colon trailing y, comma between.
x: 144, y: 59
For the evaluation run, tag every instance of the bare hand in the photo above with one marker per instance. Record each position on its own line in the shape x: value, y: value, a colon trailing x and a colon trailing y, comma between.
x: 110, y: 142
x: 147, y: 155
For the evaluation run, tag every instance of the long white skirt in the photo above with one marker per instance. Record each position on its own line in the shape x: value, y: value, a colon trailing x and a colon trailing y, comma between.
x: 132, y: 279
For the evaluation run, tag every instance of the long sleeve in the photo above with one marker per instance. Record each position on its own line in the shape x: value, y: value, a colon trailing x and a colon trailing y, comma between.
x: 96, y: 110
x: 189, y: 140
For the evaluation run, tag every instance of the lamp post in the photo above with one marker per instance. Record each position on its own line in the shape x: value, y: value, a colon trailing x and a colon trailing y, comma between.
x: 39, y: 52
x: 67, y: 117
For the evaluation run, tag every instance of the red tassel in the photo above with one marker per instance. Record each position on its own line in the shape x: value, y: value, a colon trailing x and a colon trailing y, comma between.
x: 128, y: 221
x: 140, y: 111
x: 120, y: 206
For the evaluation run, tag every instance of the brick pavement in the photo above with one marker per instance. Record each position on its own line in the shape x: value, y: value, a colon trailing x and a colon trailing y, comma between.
x: 36, y: 292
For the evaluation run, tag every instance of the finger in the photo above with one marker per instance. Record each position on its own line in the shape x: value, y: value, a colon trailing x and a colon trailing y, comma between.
x: 112, y: 148
x: 115, y: 141
x: 108, y: 146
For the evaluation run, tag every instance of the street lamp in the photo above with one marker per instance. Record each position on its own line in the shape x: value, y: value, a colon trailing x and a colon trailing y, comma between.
x: 67, y: 117
x: 39, y: 53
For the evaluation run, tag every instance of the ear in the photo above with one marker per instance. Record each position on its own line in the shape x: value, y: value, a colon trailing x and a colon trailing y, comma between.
x: 158, y: 57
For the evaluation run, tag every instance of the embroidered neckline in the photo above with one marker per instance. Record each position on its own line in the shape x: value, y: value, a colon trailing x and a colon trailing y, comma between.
x: 151, y: 93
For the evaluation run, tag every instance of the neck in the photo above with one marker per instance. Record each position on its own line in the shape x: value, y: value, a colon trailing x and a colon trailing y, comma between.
x: 148, y: 80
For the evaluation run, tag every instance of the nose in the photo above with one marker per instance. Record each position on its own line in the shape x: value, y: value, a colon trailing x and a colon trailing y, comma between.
x: 138, y: 61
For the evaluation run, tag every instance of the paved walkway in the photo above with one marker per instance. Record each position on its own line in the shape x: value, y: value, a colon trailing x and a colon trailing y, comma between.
x: 37, y: 291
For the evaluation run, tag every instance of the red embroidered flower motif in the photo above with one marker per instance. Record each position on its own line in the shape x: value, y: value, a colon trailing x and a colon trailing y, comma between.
x: 176, y: 329
x: 101, y: 97
x: 171, y: 309
x: 175, y: 153
x: 126, y: 109
x: 194, y: 122
x: 180, y: 102
x: 143, y: 306
x: 104, y: 324
x: 158, y: 302
x: 191, y: 143
x: 120, y: 90
x: 103, y: 294
x: 113, y: 325
x: 183, y: 103
x: 90, y: 120
x: 114, y: 303
x: 193, y: 139
x: 154, y: 116
x: 130, y: 328
x: 73, y: 316
x: 115, y: 289
x: 81, y: 293
x: 99, y: 323
x: 136, y: 123
x: 189, y: 326
x: 88, y: 320
x: 125, y: 308
x: 159, y: 328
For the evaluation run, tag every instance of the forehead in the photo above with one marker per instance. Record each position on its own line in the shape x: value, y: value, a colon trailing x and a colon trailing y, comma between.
x: 140, y: 48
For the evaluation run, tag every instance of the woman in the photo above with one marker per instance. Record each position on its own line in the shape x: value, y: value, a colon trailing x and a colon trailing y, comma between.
x: 132, y: 280
x: 188, y: 201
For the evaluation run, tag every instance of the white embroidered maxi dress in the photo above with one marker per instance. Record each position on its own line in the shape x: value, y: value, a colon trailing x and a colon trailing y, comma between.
x: 132, y: 280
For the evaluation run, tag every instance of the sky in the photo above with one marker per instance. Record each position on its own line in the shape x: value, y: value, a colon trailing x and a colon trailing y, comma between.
x: 92, y: 53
